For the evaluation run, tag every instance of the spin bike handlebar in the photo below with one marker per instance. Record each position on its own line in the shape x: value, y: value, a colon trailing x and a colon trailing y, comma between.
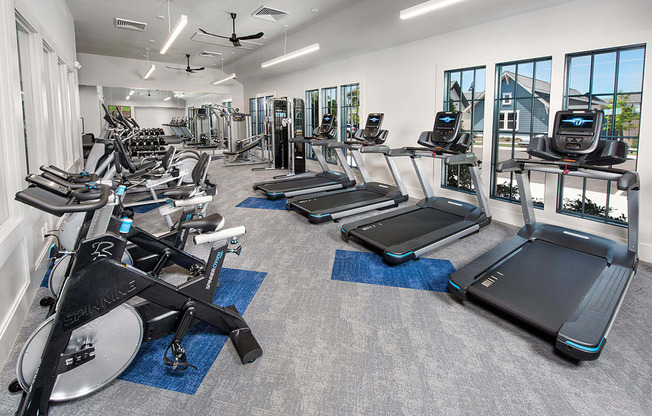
x: 49, y: 202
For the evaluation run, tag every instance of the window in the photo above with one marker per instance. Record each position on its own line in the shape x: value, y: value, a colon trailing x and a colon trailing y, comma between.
x: 252, y: 114
x: 27, y: 105
x: 612, y: 81
x: 260, y: 115
x: 522, y: 110
x: 350, y: 103
x: 312, y: 117
x: 329, y: 105
x: 508, y: 120
x: 465, y: 93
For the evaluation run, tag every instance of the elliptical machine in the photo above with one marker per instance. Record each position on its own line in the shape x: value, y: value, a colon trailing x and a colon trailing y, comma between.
x: 94, y: 334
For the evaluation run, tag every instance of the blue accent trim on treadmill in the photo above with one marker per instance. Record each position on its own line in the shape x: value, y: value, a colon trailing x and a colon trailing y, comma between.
x: 319, y: 215
x: 274, y: 193
x: 363, y: 267
x: 453, y: 284
x: 46, y: 277
x: 343, y: 230
x: 203, y: 343
x: 583, y: 348
x: 262, y: 203
x: 400, y: 255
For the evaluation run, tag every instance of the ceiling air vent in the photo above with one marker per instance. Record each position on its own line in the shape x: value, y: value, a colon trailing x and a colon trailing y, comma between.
x: 130, y: 24
x: 267, y: 13
x: 209, y: 54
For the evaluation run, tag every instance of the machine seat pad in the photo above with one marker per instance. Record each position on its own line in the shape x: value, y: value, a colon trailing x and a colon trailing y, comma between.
x: 180, y: 192
x: 210, y: 223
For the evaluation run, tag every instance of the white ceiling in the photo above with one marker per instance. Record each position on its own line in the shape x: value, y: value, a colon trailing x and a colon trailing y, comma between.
x: 343, y: 28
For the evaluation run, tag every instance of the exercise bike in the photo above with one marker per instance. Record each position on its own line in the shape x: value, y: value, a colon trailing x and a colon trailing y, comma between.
x: 94, y: 334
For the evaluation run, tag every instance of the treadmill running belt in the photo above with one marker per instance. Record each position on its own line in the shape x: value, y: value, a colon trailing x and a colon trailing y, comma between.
x: 295, y: 184
x: 542, y: 284
x: 330, y: 202
x: 405, y: 227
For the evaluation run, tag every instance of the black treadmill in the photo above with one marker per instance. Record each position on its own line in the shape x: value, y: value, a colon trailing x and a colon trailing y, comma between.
x: 409, y: 233
x: 307, y: 183
x: 567, y: 283
x: 364, y: 197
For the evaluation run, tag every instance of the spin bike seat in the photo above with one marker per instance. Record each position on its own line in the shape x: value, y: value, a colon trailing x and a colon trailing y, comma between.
x: 210, y: 223
x: 180, y: 192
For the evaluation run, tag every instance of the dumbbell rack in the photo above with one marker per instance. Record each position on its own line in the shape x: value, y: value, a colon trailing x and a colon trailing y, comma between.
x: 148, y: 142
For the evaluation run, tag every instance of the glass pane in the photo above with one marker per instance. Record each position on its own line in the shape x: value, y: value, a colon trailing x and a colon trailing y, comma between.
x: 525, y: 75
x: 538, y: 187
x: 506, y: 85
x: 577, y: 103
x: 455, y: 78
x: 630, y: 70
x: 604, y: 73
x: 543, y: 71
x: 579, y: 75
x: 572, y: 194
x: 617, y: 210
x: 454, y: 106
x: 467, y: 84
x: 479, y: 86
x: 524, y: 116
x: 478, y: 115
x: 505, y: 186
x: 604, y: 103
x: 627, y: 115
x: 504, y: 147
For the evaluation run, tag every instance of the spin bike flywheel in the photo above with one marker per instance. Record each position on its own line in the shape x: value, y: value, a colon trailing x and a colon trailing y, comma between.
x: 116, y: 338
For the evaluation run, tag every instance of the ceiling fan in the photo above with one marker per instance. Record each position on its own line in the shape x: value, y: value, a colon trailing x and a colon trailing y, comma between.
x: 234, y: 39
x: 188, y: 68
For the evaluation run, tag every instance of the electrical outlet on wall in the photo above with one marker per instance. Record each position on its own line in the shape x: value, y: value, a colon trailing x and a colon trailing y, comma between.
x: 44, y: 231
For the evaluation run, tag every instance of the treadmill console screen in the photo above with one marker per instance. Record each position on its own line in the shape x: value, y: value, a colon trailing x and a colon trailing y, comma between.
x: 372, y: 126
x: 577, y: 132
x: 327, y: 123
x: 447, y: 125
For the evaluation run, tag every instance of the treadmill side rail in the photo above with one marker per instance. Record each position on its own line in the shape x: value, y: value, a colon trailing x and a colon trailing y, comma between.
x: 584, y: 336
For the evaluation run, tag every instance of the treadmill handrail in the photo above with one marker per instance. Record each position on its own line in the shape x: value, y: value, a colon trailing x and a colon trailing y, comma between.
x: 626, y: 179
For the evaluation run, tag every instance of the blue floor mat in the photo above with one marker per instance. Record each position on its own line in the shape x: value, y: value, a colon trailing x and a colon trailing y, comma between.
x: 359, y: 267
x: 202, y: 342
x: 262, y: 203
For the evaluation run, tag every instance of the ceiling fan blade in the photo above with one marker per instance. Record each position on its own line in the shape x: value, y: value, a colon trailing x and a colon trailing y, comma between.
x: 213, y: 34
x: 175, y: 68
x: 236, y: 42
x: 256, y: 36
x: 199, y: 69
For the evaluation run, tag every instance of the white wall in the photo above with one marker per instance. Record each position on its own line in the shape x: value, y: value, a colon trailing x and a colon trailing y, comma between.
x: 53, y: 136
x: 407, y: 84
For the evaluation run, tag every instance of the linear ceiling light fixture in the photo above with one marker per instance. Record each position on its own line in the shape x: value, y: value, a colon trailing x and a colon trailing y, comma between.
x: 131, y: 92
x: 299, y: 52
x: 174, y: 33
x: 128, y: 97
x: 168, y: 98
x: 151, y: 68
x: 426, y: 7
x: 230, y: 77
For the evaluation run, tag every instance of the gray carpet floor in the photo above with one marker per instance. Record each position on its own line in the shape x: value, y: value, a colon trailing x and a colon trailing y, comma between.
x: 339, y: 348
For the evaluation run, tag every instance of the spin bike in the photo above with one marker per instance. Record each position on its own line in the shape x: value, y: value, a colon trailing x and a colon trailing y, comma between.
x: 94, y: 334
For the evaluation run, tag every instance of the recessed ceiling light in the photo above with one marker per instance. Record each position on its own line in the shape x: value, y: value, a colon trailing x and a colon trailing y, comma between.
x: 232, y: 53
x: 314, y: 10
x: 160, y: 16
x: 152, y: 41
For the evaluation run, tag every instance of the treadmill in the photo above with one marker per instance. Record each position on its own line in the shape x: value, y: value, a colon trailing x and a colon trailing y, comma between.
x: 367, y: 196
x: 567, y: 283
x: 408, y: 233
x: 308, y: 183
